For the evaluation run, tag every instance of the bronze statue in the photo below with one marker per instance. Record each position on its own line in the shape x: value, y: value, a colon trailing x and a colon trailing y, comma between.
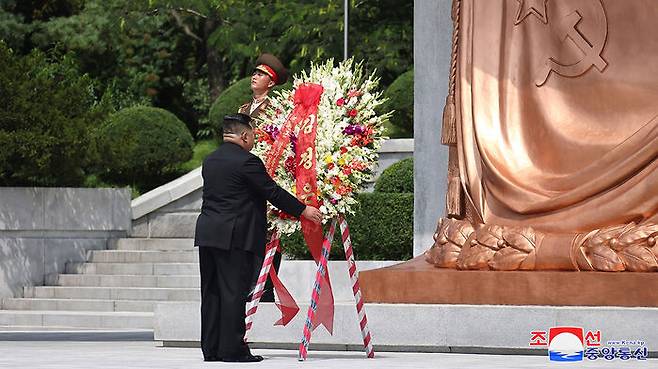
x: 552, y: 126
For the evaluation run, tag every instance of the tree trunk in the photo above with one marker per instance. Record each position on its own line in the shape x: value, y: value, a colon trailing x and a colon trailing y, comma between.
x: 216, y: 80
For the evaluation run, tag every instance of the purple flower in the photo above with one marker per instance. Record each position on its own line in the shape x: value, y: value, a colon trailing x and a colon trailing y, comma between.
x: 293, y: 143
x: 271, y: 130
x: 353, y: 129
x: 333, y: 201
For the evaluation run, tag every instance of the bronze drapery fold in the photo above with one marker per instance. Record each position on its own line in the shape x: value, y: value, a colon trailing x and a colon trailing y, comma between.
x: 556, y: 128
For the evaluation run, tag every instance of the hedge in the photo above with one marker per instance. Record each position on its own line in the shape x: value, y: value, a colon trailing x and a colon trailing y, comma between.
x: 381, y: 229
x: 400, y: 95
x: 398, y: 178
x: 143, y: 146
x: 228, y: 102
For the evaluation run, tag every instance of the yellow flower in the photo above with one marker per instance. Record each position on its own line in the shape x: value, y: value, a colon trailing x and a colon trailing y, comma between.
x: 328, y: 159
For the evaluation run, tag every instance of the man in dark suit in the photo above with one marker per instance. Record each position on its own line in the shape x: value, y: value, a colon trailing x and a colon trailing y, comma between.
x: 231, y: 236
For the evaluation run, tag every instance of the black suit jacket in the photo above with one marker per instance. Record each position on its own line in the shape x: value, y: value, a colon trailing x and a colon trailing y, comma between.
x: 236, y: 187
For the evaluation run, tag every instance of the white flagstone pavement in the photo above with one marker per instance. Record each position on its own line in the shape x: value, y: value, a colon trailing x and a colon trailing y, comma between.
x: 136, y: 354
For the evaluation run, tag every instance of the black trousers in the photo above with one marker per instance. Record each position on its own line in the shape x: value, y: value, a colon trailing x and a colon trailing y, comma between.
x: 268, y: 292
x: 226, y: 277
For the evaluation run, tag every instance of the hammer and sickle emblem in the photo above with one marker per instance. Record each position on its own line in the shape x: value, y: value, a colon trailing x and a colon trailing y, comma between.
x: 591, y: 49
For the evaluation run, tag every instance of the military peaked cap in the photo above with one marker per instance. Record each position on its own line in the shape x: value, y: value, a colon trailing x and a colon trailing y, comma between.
x: 272, y: 66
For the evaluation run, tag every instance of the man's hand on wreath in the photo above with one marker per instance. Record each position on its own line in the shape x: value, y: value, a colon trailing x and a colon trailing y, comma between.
x: 312, y: 214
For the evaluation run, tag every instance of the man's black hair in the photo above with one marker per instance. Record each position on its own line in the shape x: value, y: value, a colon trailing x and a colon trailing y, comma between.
x: 236, y: 123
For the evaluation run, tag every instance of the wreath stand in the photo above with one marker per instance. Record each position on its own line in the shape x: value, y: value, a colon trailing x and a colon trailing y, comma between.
x: 252, y: 306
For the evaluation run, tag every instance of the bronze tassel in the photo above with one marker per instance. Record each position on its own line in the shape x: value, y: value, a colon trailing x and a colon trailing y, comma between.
x: 449, y: 129
x: 454, y: 198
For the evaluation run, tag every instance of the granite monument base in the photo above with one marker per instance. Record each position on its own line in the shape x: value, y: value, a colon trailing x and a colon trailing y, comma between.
x: 418, y: 282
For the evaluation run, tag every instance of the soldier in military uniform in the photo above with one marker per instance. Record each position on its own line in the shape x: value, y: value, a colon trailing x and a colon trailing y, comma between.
x: 268, y: 72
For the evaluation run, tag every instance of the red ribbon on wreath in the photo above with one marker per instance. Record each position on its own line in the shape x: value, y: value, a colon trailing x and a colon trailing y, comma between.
x: 306, y: 100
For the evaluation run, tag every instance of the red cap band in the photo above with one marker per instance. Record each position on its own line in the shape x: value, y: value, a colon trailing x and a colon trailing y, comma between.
x: 270, y: 72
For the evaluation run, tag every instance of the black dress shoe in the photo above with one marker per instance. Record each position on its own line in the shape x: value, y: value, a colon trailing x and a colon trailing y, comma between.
x: 211, y: 358
x: 243, y: 359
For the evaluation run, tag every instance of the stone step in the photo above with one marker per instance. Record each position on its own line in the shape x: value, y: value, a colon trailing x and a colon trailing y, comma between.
x: 77, y: 304
x: 78, y: 319
x: 113, y: 293
x: 100, y: 280
x: 152, y: 244
x: 168, y: 225
x: 27, y: 333
x: 133, y: 268
x: 125, y: 256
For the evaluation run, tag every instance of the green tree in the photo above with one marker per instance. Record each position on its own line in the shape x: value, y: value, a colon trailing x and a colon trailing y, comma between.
x: 198, y: 20
x: 13, y: 29
x: 232, y: 33
x: 41, y: 10
x: 133, y: 58
x: 181, y: 54
x: 48, y: 112
x: 381, y: 34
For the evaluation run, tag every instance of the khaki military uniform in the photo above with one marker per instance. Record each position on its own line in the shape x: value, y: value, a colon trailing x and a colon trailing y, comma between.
x: 255, y: 112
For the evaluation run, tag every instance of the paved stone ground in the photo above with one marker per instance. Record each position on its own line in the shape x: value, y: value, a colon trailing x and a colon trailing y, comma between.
x: 140, y: 354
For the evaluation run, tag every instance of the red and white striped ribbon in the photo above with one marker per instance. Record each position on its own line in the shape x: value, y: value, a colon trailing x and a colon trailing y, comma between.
x: 257, y: 293
x: 358, y: 298
x: 252, y: 306
x: 319, y: 277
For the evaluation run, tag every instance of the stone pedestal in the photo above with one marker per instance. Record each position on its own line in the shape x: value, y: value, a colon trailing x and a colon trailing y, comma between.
x: 418, y: 282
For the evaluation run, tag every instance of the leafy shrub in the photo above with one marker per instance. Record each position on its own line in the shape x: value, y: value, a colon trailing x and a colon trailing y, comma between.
x: 398, y: 178
x: 201, y: 149
x: 143, y: 146
x: 381, y: 229
x: 229, y: 101
x: 400, y: 96
x: 47, y: 112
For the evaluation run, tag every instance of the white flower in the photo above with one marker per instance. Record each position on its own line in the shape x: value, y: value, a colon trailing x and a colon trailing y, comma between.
x: 335, y: 171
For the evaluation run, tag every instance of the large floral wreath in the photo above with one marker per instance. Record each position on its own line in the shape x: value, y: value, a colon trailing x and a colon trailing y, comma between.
x: 349, y: 135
